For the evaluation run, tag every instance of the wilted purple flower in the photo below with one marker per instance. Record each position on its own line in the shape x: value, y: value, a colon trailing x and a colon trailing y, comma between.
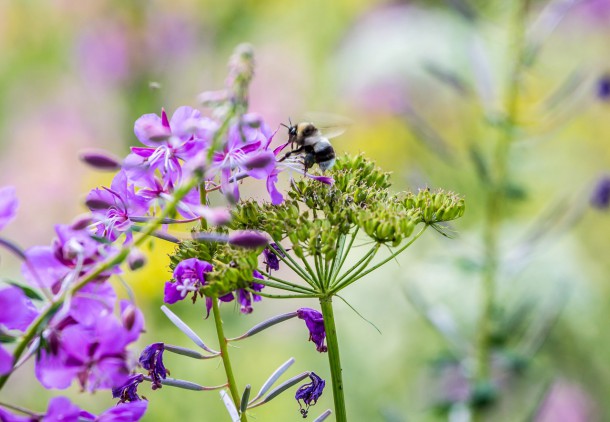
x: 16, y: 313
x: 8, y: 205
x: 151, y: 359
x: 603, y: 88
x: 245, y: 297
x: 114, y: 206
x: 190, y: 276
x: 601, y: 193
x: 129, y: 391
x: 315, y: 324
x: 271, y: 260
x: 310, y: 393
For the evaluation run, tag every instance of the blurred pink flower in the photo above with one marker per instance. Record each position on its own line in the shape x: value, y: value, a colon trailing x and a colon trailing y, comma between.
x: 565, y: 402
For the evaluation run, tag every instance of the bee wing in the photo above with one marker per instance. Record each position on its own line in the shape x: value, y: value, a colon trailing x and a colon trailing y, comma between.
x: 331, y: 125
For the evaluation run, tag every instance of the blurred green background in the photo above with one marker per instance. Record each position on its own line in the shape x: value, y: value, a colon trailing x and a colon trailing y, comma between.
x: 422, y: 82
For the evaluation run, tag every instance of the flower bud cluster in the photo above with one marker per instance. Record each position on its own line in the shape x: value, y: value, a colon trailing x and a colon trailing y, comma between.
x: 232, y: 266
x: 436, y: 206
x: 315, y: 215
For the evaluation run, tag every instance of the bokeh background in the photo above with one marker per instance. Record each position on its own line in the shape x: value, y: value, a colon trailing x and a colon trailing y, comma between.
x: 423, y: 83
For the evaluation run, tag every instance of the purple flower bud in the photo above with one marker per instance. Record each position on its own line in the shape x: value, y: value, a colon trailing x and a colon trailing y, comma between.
x: 315, y: 324
x: 8, y: 205
x: 136, y: 259
x: 101, y: 160
x: 214, y: 216
x: 248, y: 239
x: 603, y: 88
x: 601, y: 194
x: 310, y: 393
x: 151, y: 359
x: 129, y: 391
x: 82, y: 222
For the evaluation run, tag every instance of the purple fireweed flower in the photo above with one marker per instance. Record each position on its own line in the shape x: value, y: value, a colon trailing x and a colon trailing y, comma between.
x: 62, y: 410
x: 114, y: 206
x: 244, y: 151
x: 270, y: 254
x: 8, y: 205
x: 310, y: 393
x: 151, y: 359
x: 128, y: 392
x: 600, y: 197
x: 167, y: 142
x: 16, y: 313
x: 315, y: 324
x: 72, y: 250
x: 95, y: 355
x: 190, y: 276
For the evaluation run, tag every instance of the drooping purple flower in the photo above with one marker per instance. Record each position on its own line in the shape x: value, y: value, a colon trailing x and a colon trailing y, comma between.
x: 601, y: 194
x: 310, y: 393
x: 315, y: 324
x: 190, y: 276
x: 151, y: 359
x: 128, y: 392
x: 270, y: 254
x: 114, y: 206
x: 8, y: 205
x: 245, y: 297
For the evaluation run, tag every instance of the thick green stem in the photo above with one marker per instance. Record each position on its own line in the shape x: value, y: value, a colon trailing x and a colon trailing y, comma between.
x: 334, y: 359
x: 226, y: 361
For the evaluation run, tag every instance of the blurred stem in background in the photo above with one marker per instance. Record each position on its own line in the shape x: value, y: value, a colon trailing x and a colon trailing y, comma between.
x: 495, y: 204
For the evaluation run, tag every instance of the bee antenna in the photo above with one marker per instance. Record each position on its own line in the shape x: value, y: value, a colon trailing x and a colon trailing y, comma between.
x: 282, y: 124
x: 290, y: 121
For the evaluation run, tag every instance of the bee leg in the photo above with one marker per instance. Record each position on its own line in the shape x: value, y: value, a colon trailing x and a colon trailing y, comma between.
x: 289, y: 153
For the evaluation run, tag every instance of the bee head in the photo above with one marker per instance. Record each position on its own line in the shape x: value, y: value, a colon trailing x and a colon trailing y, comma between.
x: 306, y: 129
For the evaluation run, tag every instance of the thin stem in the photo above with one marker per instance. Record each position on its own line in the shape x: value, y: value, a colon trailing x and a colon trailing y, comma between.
x: 367, y: 256
x: 495, y: 204
x: 314, y: 277
x: 280, y: 286
x: 346, y: 283
x: 334, y: 359
x: 345, y: 253
x: 226, y: 361
x: 293, y: 265
x: 298, y: 296
x: 287, y: 283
